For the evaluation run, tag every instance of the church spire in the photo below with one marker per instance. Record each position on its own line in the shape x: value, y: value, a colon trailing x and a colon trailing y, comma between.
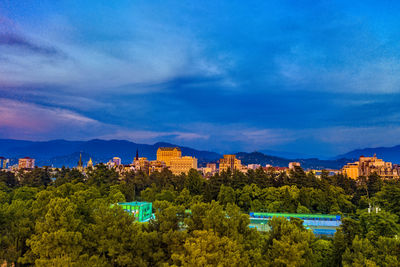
x: 80, y: 163
x: 137, y: 154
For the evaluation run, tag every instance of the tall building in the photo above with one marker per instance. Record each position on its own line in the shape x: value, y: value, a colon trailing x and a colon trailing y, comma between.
x: 365, y: 166
x: 182, y: 164
x: 229, y: 162
x: 3, y: 163
x: 166, y: 154
x: 26, y: 163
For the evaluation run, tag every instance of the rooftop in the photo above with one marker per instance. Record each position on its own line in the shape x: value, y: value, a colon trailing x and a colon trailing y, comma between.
x: 169, y: 148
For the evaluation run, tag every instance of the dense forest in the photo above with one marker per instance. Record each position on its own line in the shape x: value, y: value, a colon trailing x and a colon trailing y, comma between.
x: 70, y: 221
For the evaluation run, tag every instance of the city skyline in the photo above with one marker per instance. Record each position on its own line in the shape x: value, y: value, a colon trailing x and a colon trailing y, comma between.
x: 312, y: 78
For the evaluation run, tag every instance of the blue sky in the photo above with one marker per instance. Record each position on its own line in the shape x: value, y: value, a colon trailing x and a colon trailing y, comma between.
x: 313, y: 77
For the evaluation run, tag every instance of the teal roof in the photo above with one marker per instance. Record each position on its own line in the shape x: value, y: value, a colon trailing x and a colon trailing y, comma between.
x: 134, y: 203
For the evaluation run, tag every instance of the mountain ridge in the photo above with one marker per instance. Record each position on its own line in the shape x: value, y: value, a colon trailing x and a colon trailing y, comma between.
x: 391, y: 154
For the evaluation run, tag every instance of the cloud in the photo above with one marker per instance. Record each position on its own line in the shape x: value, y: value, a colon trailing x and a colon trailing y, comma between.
x: 153, y: 136
x: 26, y: 120
x: 14, y: 40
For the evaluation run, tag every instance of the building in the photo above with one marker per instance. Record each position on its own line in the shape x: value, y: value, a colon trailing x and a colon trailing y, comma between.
x: 229, y: 162
x: 90, y: 163
x: 166, y: 154
x: 293, y: 165
x: 116, y: 160
x: 141, y: 210
x: 141, y: 164
x: 212, y: 167
x: 253, y: 166
x: 209, y: 170
x: 320, y: 224
x: 182, y: 164
x: 351, y: 170
x: 156, y: 166
x: 26, y: 163
x: 4, y: 163
x: 366, y: 166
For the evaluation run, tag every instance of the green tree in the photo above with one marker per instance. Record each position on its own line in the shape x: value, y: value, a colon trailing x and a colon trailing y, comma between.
x: 206, y: 248
x: 195, y: 182
x: 289, y: 243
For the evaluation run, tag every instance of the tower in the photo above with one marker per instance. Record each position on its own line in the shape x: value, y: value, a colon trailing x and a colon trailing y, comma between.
x: 137, y: 154
x: 90, y: 163
x: 80, y: 163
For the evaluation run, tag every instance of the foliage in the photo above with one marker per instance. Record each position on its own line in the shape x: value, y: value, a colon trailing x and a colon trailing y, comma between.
x: 198, y: 221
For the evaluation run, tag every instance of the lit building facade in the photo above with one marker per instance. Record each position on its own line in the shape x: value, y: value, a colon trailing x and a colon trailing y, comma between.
x: 182, y: 164
x: 366, y: 166
x: 26, y: 163
x: 116, y: 161
x: 3, y: 163
x: 141, y: 164
x: 166, y: 154
x: 156, y: 166
x: 229, y: 162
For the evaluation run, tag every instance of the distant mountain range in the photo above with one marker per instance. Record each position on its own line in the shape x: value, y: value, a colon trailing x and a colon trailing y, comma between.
x: 311, y: 163
x: 391, y: 154
x: 66, y: 153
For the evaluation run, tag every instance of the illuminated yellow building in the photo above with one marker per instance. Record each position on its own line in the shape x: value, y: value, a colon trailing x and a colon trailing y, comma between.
x: 182, y: 165
x: 365, y: 166
x: 229, y: 162
x: 26, y: 163
x: 166, y: 154
x: 351, y: 170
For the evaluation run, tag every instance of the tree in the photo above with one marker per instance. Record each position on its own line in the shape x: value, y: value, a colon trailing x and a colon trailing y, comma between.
x: 206, y: 248
x: 16, y: 226
x: 35, y: 177
x: 194, y: 182
x: 289, y: 243
x: 8, y: 178
x: 389, y: 198
x: 226, y: 195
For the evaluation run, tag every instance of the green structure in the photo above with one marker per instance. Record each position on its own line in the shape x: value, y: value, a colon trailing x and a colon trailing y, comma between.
x: 141, y: 210
x: 320, y: 224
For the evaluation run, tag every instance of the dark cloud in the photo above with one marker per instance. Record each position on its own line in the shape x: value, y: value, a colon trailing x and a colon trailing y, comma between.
x: 15, y: 40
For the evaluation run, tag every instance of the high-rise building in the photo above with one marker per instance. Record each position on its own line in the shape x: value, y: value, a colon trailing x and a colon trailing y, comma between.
x: 26, y: 163
x: 229, y: 162
x: 166, y: 154
x: 182, y: 164
x: 3, y: 163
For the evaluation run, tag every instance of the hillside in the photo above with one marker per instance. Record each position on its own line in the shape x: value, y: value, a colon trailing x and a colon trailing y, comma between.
x: 66, y: 153
x: 391, y: 154
x: 312, y: 163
